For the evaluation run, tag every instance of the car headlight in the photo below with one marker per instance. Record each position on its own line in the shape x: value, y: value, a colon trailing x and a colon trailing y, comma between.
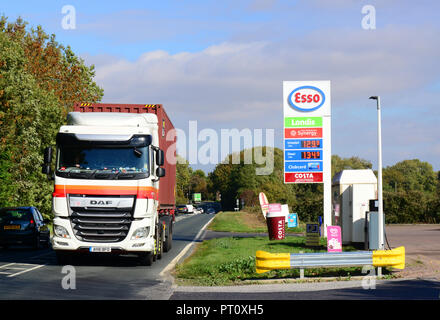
x: 140, y: 233
x: 61, y: 232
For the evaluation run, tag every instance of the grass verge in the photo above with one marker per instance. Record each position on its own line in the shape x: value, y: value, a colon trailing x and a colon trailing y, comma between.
x: 231, y: 261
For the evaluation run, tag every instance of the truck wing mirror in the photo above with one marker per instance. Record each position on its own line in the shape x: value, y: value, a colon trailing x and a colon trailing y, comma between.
x: 160, y: 172
x: 48, y: 155
x: 45, y: 169
x: 160, y: 159
x: 47, y: 161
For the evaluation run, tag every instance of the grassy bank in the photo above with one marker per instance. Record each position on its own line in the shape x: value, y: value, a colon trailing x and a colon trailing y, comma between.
x: 229, y: 261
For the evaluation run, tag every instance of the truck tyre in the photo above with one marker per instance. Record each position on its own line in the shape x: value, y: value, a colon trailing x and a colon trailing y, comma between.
x: 168, y: 240
x: 146, y: 259
x: 160, y: 245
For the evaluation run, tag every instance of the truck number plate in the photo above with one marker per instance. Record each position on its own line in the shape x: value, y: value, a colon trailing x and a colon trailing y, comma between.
x: 100, y: 249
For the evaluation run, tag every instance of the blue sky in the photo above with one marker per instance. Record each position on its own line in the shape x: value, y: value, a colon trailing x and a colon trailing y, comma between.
x: 223, y: 62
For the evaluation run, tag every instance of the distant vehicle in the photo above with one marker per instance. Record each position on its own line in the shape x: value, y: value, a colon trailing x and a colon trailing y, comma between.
x: 190, y: 208
x: 198, y: 210
x: 210, y: 210
x: 23, y: 226
x: 182, y: 209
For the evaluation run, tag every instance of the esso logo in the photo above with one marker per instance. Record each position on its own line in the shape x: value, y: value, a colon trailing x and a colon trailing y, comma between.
x: 306, y: 98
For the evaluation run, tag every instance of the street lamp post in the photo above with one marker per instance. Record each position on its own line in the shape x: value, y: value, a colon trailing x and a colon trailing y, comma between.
x: 379, y: 174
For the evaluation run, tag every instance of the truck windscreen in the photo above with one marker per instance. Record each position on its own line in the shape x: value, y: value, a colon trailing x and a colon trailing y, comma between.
x: 103, y: 162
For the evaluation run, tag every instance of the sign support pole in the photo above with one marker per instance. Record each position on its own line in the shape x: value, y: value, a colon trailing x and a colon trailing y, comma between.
x: 327, y: 175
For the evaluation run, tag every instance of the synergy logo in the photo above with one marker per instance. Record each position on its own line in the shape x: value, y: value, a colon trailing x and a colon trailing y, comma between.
x: 306, y: 98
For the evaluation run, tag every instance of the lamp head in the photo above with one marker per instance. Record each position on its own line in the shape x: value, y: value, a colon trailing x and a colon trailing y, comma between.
x: 373, y: 97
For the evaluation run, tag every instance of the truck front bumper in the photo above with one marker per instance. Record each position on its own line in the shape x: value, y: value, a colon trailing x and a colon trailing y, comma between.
x: 126, y: 246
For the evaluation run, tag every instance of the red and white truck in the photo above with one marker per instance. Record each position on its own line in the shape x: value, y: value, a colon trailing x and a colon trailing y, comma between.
x: 115, y: 179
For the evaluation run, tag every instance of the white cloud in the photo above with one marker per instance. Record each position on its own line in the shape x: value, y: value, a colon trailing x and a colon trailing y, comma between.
x: 240, y: 84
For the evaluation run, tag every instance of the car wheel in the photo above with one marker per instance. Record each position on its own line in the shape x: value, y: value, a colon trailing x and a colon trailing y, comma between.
x: 37, y: 243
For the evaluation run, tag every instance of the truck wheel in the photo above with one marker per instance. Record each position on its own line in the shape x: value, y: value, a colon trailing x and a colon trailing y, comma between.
x: 146, y: 259
x: 160, y: 246
x: 168, y: 240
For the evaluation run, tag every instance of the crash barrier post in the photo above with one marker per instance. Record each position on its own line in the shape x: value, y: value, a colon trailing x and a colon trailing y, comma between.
x: 266, y: 261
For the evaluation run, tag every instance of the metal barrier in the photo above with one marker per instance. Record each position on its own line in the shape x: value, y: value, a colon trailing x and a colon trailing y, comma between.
x: 379, y: 258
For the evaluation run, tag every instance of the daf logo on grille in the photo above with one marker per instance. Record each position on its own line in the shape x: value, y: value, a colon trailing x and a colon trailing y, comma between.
x: 95, y: 202
x: 101, y: 202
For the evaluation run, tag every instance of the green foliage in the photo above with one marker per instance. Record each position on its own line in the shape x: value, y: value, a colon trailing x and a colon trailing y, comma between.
x: 189, y: 181
x: 39, y: 81
x: 242, y: 181
x: 411, y: 193
x: 339, y: 164
x: 411, y: 187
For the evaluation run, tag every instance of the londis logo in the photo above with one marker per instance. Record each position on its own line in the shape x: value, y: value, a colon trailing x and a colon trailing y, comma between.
x: 306, y: 98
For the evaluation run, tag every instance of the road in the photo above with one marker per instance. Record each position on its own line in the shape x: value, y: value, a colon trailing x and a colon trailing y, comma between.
x: 29, y: 274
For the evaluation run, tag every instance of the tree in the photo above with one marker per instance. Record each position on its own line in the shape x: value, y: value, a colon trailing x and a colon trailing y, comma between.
x: 339, y: 164
x: 39, y: 80
x: 411, y: 192
x: 183, y: 180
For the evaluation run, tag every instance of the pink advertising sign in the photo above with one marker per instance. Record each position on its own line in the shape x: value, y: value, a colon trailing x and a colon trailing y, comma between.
x: 334, y: 239
x: 274, y: 207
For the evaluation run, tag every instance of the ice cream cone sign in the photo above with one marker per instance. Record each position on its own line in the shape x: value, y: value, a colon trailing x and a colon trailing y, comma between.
x: 264, y: 204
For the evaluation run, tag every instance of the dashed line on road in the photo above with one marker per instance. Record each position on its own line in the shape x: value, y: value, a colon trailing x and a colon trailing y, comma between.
x: 10, y: 269
x: 26, y: 270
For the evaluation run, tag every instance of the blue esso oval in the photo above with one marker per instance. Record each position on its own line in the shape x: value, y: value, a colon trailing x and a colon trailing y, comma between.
x: 306, y: 98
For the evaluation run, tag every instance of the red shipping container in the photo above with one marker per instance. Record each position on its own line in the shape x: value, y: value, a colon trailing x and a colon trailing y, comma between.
x: 167, y: 183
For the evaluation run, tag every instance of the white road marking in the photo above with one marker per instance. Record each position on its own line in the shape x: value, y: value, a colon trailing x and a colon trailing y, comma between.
x: 27, y: 270
x: 21, y: 267
x: 184, y: 251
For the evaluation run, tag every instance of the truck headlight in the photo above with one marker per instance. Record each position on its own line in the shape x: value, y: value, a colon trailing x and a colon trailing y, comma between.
x: 140, y: 233
x: 61, y: 232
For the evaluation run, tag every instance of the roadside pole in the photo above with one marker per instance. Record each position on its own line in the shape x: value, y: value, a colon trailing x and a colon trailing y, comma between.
x: 327, y: 175
x: 381, y: 224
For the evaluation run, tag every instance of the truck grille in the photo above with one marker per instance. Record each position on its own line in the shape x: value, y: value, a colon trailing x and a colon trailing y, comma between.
x: 104, y: 225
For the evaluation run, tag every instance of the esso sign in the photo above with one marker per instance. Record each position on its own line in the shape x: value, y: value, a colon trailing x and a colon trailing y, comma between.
x: 306, y: 98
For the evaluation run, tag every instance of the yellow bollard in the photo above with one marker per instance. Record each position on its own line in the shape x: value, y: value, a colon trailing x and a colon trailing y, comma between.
x: 390, y: 258
x: 266, y: 261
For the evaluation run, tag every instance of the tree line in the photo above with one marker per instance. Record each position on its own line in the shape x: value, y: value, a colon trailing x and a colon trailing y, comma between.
x: 411, y: 188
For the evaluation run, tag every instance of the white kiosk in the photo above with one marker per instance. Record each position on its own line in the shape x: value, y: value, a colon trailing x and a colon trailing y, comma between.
x: 351, y: 192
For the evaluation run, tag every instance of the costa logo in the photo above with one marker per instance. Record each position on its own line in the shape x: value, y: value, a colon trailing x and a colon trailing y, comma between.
x: 306, y: 98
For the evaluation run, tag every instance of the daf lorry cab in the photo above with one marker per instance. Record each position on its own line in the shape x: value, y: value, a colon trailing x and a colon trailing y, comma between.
x: 113, y: 186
